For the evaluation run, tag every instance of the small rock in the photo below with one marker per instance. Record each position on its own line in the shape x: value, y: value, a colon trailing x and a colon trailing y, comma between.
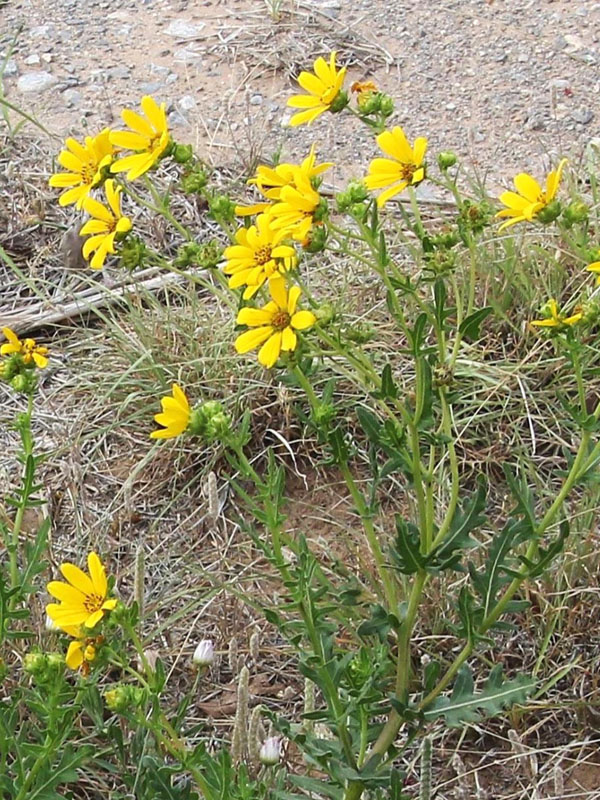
x: 69, y: 68
x: 10, y: 68
x: 187, y: 103
x: 47, y: 58
x: 151, y: 87
x: 184, y: 29
x: 256, y: 100
x: 187, y: 55
x: 36, y: 82
x: 46, y: 31
x: 32, y: 61
x: 172, y: 77
x: 118, y: 73
x: 175, y: 118
x: 450, y: 107
x: 500, y: 57
x: 536, y: 122
x: 73, y: 98
x: 582, y: 115
x: 156, y: 69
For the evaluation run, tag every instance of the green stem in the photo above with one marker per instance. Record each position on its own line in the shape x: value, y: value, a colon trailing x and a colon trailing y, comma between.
x: 165, y: 211
x: 24, y: 498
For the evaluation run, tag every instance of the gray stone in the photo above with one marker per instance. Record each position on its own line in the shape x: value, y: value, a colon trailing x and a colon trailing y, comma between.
x: 184, y: 29
x: 188, y: 103
x: 32, y: 61
x: 73, y: 98
x: 36, y: 82
x: 175, y: 118
x: 161, y: 72
x: 187, y: 56
x: 535, y: 122
x: 10, y: 68
x: 151, y: 87
x: 172, y: 77
x: 118, y: 73
x: 256, y: 100
x: 582, y: 115
x: 47, y: 58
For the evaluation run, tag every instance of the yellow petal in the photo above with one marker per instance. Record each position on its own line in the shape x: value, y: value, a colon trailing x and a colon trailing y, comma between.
x: 302, y: 320
x: 77, y: 578
x: 528, y: 187
x: 307, y: 116
x: 65, y: 593
x: 97, y: 574
x: 269, y: 352
x: 74, y: 657
x: 93, y: 619
x: 304, y: 101
x: 391, y: 192
x: 289, y: 340
x: 311, y: 83
x: 137, y: 123
x: 278, y: 291
x: 293, y: 297
x: 254, y: 317
x: 252, y: 339
x: 154, y: 112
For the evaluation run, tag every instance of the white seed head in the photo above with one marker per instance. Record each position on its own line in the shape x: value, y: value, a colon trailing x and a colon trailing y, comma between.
x: 270, y: 752
x: 204, y: 654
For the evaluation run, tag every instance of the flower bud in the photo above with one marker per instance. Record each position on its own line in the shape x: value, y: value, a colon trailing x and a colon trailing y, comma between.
x: 122, y: 698
x: 575, y: 212
x: 204, y: 654
x: 270, y: 752
x: 340, y: 102
x: 133, y: 253
x: 550, y: 212
x: 446, y: 159
x: 321, y: 211
x: 182, y: 153
x: 19, y: 383
x: 222, y: 208
x: 316, y: 240
x: 195, y: 180
x: 325, y: 314
x: 35, y: 664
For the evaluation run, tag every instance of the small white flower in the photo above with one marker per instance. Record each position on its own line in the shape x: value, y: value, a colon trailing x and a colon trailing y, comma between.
x: 270, y: 752
x: 204, y: 654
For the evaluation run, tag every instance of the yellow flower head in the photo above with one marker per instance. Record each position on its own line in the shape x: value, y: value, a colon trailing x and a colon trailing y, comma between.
x: 270, y: 181
x: 107, y: 223
x: 296, y: 207
x: 554, y: 319
x: 82, y: 650
x: 404, y: 167
x: 323, y: 87
x: 148, y: 135
x: 274, y: 326
x: 83, y: 599
x: 257, y: 254
x: 529, y: 199
x: 84, y: 163
x: 175, y: 416
x: 594, y: 267
x: 26, y: 348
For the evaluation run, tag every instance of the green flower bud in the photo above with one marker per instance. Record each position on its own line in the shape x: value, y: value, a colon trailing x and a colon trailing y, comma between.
x: 343, y: 201
x: 325, y: 314
x: 123, y: 698
x: 446, y: 159
x: 182, y: 153
x: 316, y: 239
x: 357, y: 191
x: 323, y: 414
x: 192, y: 254
x: 550, y: 212
x: 133, y: 253
x: 210, y: 421
x: 443, y: 375
x: 360, y: 333
x: 195, y: 180
x: 340, y: 102
x: 35, y: 664
x: 222, y: 208
x: 591, y: 311
x: 20, y: 383
x: 575, y: 212
x: 474, y: 216
x: 386, y: 105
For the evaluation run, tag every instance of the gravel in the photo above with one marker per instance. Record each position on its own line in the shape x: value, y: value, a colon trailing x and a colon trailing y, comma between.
x: 508, y: 84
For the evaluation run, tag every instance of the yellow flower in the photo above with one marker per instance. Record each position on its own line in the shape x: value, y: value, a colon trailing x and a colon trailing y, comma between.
x: 296, y: 208
x: 403, y: 168
x: 84, y: 164
x: 83, y: 599
x: 323, y: 88
x: 257, y: 254
x: 594, y: 267
x: 554, y: 318
x: 27, y: 348
x: 270, y: 181
x: 274, y: 326
x: 108, y: 222
x: 175, y: 416
x: 81, y: 651
x: 531, y: 198
x: 149, y: 136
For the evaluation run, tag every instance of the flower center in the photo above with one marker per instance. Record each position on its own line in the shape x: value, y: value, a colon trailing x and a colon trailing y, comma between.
x: 92, y: 603
x: 88, y: 173
x: 281, y: 320
x: 329, y: 96
x: 407, y: 171
x: 262, y: 255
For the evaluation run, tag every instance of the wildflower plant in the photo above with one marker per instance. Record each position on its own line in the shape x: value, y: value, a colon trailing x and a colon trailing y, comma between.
x: 355, y: 633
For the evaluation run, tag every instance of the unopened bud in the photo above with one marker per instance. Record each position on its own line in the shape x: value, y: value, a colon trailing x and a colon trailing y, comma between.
x: 270, y: 752
x: 182, y: 153
x: 550, y: 212
x: 204, y: 654
x: 577, y: 211
x: 340, y: 102
x: 122, y: 698
x: 446, y: 159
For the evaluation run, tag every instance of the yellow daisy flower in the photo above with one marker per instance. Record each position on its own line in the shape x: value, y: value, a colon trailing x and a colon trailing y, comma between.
x: 27, y: 348
x: 175, y: 416
x: 108, y: 223
x: 296, y: 208
x: 270, y: 181
x: 404, y: 167
x: 84, y: 164
x: 531, y: 198
x: 274, y: 326
x: 149, y: 136
x: 257, y: 254
x: 594, y: 267
x: 323, y: 87
x: 83, y: 599
x: 554, y: 318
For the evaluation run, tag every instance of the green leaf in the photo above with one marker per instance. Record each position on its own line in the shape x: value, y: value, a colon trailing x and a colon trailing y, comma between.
x: 546, y: 557
x: 469, y: 327
x: 370, y: 424
x: 465, y: 520
x: 388, y: 387
x: 417, y: 335
x: 406, y: 553
x: 465, y: 705
x: 339, y: 448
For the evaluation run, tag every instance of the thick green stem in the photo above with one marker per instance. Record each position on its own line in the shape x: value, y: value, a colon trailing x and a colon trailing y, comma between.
x: 24, y: 497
